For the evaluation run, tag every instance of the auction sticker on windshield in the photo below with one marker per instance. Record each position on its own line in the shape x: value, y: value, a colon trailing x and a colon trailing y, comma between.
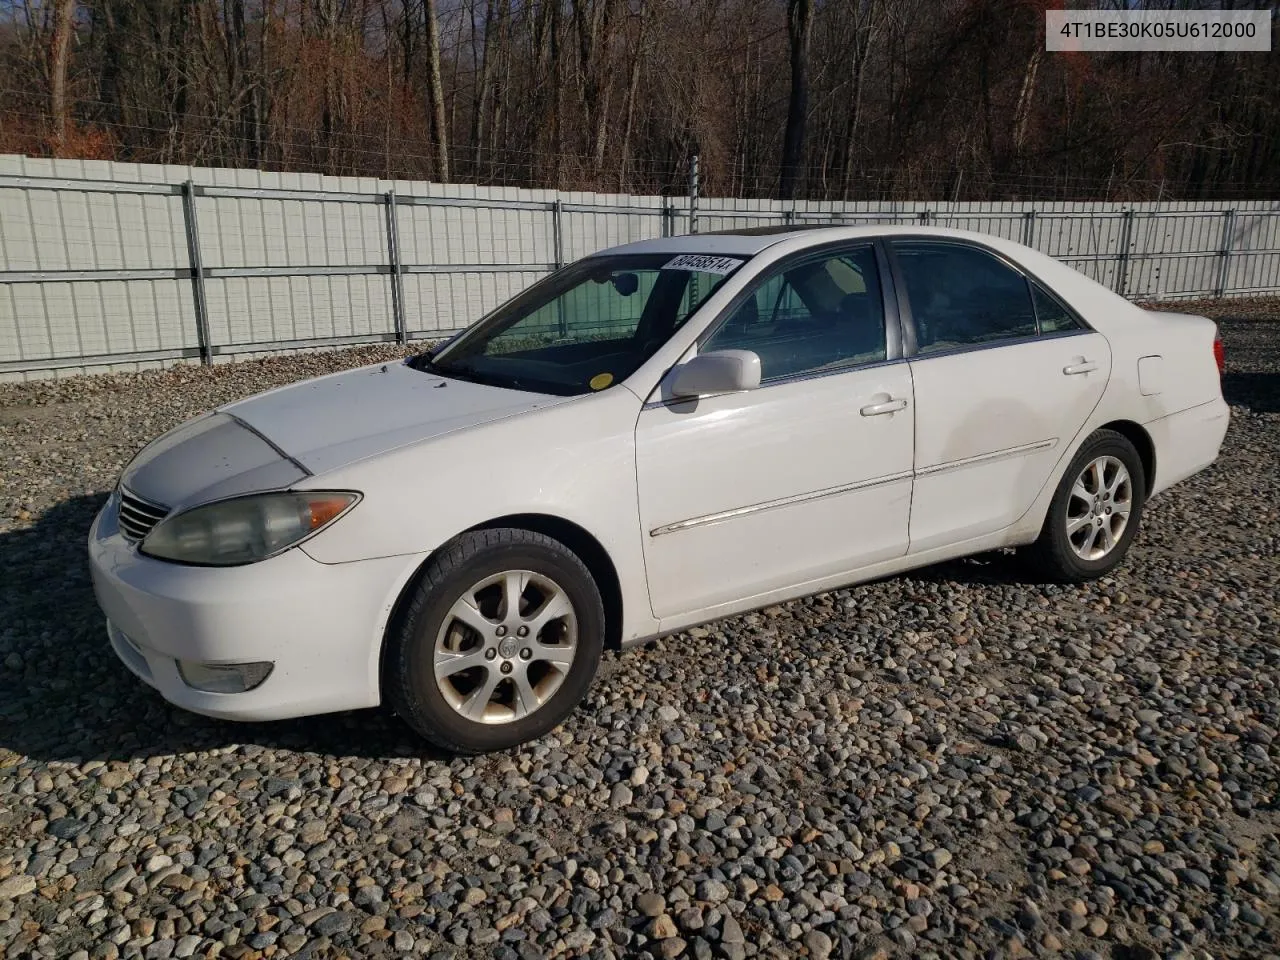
x: 703, y: 264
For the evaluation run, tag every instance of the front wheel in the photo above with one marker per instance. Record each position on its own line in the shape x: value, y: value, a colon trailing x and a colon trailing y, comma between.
x: 1095, y: 511
x: 500, y: 641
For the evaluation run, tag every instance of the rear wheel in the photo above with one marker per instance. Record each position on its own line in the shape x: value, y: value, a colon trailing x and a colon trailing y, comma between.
x: 499, y: 643
x: 1095, y: 511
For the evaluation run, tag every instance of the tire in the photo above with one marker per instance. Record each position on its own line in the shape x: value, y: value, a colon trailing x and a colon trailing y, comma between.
x: 496, y: 689
x: 1073, y: 546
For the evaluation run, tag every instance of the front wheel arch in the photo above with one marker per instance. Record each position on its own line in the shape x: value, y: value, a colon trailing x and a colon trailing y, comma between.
x: 410, y: 685
x: 587, y: 548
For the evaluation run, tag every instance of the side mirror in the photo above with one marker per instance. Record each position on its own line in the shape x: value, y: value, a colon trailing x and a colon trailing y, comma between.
x: 720, y: 371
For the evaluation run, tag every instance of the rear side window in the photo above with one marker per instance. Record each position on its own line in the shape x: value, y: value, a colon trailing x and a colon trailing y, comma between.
x: 1052, y: 315
x: 963, y: 297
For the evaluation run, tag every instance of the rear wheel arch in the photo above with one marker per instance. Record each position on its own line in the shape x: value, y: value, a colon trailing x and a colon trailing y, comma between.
x: 1142, y: 442
x: 1107, y: 506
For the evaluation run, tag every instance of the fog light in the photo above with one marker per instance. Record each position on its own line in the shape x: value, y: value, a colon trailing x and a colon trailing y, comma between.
x: 223, y: 677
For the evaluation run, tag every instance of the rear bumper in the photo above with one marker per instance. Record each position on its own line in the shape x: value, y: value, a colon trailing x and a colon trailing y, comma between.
x: 321, y: 625
x: 1188, y: 441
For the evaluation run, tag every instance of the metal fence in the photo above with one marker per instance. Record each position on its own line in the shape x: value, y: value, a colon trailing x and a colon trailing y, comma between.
x: 128, y: 266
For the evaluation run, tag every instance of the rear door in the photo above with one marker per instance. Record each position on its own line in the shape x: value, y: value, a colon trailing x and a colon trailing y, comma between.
x: 1005, y: 376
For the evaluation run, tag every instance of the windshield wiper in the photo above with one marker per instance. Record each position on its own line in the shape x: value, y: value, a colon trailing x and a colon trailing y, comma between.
x: 423, y: 361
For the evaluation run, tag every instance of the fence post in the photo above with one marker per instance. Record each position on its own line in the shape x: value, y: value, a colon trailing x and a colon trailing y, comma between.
x: 557, y: 230
x: 1126, y: 234
x: 693, y: 194
x: 197, y: 272
x: 1029, y: 229
x: 1228, y: 223
x: 397, y: 275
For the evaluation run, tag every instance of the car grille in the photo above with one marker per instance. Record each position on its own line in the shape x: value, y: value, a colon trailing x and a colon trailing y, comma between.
x: 138, y: 516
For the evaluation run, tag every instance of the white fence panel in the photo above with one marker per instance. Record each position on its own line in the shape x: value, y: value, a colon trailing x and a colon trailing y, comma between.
x: 98, y: 260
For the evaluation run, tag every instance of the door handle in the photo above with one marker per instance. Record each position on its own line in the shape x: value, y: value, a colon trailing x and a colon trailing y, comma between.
x: 886, y: 406
x: 1083, y: 366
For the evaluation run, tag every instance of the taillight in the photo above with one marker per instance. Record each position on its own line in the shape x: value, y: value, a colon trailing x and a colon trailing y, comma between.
x: 1219, y: 357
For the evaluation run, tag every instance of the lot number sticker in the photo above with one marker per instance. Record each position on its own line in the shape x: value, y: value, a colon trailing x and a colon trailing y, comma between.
x: 703, y: 264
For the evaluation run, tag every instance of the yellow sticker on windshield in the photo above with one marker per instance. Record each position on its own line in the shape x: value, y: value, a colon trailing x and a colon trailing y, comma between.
x: 600, y: 381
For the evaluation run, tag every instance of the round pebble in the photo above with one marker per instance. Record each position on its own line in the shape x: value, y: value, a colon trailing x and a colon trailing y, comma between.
x: 958, y: 762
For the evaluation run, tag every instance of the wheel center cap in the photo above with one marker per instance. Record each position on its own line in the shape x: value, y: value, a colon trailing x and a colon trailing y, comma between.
x: 507, y: 648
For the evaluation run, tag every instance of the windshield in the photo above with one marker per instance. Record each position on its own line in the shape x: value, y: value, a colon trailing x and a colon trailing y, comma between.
x: 586, y: 327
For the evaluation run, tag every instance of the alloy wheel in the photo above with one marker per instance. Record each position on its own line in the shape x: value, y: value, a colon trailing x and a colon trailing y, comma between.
x: 1098, y: 508
x: 505, y: 646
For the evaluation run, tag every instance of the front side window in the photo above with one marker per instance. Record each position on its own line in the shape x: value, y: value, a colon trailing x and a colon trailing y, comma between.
x: 823, y: 314
x: 963, y: 297
x: 586, y: 327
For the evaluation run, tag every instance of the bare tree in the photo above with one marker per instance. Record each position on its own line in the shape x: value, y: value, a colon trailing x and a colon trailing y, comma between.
x: 845, y: 98
x: 633, y: 87
x: 591, y: 19
x: 435, y: 90
x: 59, y: 53
x: 484, y: 52
x: 799, y: 30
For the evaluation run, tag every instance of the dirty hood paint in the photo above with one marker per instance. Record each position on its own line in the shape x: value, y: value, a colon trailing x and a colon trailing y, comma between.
x: 335, y: 420
x: 276, y: 439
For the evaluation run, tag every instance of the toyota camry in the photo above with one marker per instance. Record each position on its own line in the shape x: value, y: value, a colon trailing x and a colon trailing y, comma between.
x: 655, y: 436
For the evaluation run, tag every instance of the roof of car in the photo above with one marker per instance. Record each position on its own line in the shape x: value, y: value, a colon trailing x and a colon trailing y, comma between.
x: 1103, y: 307
x: 770, y: 230
x: 748, y: 241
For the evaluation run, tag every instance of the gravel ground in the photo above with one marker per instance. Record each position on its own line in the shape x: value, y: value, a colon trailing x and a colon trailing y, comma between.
x: 955, y: 763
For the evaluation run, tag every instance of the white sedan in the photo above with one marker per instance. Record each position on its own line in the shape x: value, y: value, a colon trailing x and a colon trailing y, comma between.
x: 658, y: 435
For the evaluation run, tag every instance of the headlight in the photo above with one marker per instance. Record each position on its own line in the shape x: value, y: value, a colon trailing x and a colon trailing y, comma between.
x: 245, y: 529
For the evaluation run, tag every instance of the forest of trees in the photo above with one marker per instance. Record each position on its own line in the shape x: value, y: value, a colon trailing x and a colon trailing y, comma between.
x: 833, y: 99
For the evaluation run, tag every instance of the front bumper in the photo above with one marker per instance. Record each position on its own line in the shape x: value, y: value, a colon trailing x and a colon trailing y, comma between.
x: 321, y: 625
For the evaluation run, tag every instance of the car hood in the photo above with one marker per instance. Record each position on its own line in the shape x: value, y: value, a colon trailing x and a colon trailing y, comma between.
x: 209, y: 458
x: 332, y: 421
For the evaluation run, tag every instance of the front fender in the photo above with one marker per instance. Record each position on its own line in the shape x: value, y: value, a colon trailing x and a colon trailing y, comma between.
x: 574, y: 462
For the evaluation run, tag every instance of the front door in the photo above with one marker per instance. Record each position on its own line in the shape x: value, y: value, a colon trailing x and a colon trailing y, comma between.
x: 805, y: 477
